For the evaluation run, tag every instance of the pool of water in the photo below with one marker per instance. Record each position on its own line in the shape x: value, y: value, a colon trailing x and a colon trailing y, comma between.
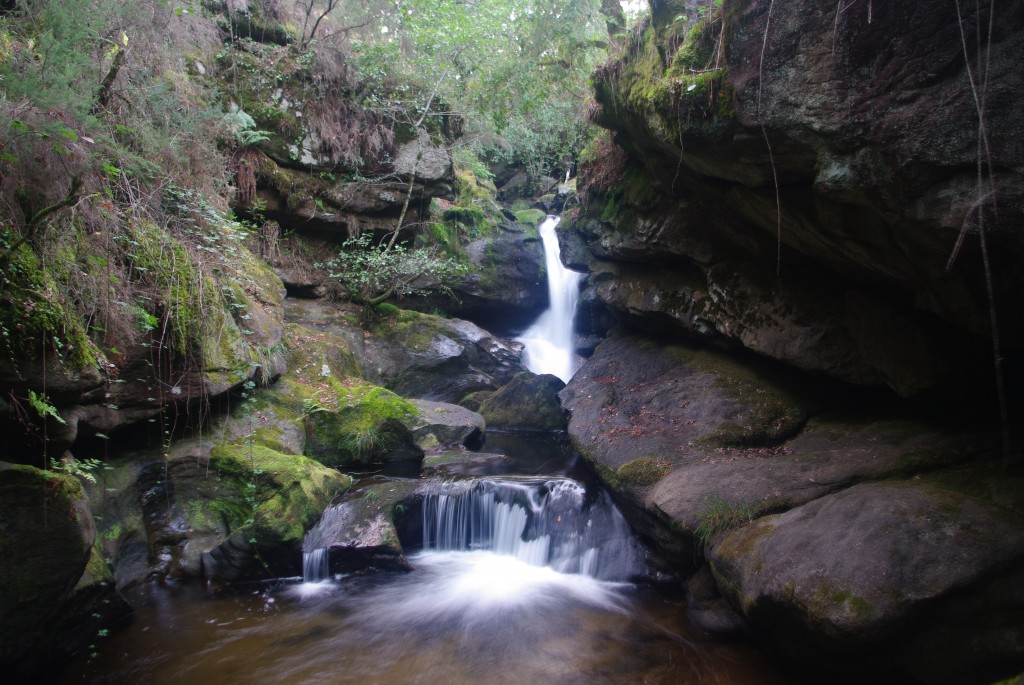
x: 459, y: 617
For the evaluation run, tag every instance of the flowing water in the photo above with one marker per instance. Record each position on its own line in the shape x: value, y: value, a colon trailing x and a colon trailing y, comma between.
x: 550, y: 343
x: 522, y: 578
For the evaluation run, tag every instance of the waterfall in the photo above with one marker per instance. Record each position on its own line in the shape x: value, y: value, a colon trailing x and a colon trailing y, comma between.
x: 550, y: 344
x: 549, y: 523
x: 314, y: 566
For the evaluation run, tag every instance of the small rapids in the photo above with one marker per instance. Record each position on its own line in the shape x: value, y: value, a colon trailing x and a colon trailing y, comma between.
x: 550, y: 341
x: 550, y: 523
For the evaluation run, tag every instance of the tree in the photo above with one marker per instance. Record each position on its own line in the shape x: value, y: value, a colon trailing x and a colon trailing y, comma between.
x: 374, y: 273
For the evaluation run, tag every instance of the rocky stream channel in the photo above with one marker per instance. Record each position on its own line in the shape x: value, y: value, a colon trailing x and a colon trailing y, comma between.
x: 782, y: 444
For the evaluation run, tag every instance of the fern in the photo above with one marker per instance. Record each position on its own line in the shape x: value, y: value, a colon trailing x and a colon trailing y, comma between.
x: 43, y: 407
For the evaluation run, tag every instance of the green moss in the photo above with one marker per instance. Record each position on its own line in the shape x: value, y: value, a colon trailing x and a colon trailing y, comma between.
x: 361, y: 425
x: 35, y: 314
x: 65, y: 486
x: 829, y: 600
x: 470, y: 215
x: 446, y: 236
x: 530, y: 217
x: 414, y: 330
x: 698, y: 49
x: 278, y: 494
x: 685, y: 99
x: 643, y: 471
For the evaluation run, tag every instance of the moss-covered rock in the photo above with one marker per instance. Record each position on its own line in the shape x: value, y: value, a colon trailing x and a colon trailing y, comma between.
x: 528, y: 402
x: 237, y: 508
x: 360, y: 532
x: 53, y: 580
x: 365, y: 424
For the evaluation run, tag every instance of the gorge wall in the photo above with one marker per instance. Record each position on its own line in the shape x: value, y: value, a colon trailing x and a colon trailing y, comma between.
x: 801, y: 247
x: 808, y: 188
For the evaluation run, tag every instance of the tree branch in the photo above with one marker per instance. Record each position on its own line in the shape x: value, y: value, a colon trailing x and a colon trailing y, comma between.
x: 103, y: 96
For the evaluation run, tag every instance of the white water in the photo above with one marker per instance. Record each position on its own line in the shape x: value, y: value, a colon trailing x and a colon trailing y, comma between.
x: 550, y: 343
x: 550, y: 524
x: 314, y: 566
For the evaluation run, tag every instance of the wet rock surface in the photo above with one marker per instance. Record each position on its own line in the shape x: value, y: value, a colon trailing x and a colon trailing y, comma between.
x: 528, y: 402
x: 360, y: 532
x: 695, y: 444
x: 444, y: 425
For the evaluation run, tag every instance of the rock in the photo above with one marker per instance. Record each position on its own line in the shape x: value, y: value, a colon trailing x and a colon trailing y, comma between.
x: 508, y: 274
x: 832, y: 452
x: 221, y: 332
x: 58, y: 592
x: 528, y: 402
x: 637, y: 397
x: 864, y: 569
x: 420, y: 355
x: 462, y: 462
x: 443, y: 425
x: 473, y: 400
x: 240, y: 512
x: 359, y: 531
x: 592, y: 317
x: 870, y: 139
x: 322, y: 409
x: 431, y: 164
x: 683, y: 436
x: 707, y: 609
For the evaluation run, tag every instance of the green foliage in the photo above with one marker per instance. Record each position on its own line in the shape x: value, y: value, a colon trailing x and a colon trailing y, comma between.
x: 373, y: 273
x: 242, y: 127
x: 387, y: 309
x: 43, y: 407
x: 717, y: 516
x: 81, y: 468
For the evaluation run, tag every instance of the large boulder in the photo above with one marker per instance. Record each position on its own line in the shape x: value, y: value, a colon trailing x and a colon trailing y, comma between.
x: 446, y: 425
x: 507, y: 276
x: 639, y: 396
x: 865, y: 570
x: 420, y: 355
x: 528, y: 402
x: 358, y: 532
x: 692, y: 440
x: 227, y: 510
x: 55, y: 590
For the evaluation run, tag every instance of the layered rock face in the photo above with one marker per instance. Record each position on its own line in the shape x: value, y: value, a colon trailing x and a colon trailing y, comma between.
x: 808, y: 187
x: 791, y: 234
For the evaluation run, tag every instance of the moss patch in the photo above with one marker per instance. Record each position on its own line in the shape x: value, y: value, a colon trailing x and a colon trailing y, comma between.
x: 277, y: 495
x: 34, y: 313
x: 643, y: 471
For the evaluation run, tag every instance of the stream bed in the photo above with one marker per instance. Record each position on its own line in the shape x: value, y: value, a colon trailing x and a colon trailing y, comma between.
x: 474, y: 615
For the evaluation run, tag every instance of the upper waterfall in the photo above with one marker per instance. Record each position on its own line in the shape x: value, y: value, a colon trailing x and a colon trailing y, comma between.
x: 550, y: 343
